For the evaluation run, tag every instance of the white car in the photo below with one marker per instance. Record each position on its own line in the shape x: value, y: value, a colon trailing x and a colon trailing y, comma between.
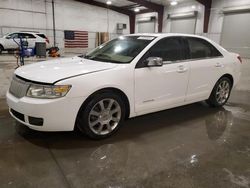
x: 9, y: 41
x: 126, y: 77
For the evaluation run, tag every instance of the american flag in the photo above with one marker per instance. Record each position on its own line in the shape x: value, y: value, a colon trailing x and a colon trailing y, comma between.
x: 75, y: 39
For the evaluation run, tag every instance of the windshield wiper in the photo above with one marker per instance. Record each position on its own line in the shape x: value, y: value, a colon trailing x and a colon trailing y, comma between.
x: 98, y: 58
x: 103, y: 55
x: 81, y: 56
x: 86, y: 56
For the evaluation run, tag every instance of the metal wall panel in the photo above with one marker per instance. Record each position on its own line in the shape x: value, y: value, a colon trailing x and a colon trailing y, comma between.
x: 146, y: 27
x: 183, y: 25
x: 235, y: 34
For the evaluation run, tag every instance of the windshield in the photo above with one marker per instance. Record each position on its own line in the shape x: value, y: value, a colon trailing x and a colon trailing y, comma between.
x: 120, y: 50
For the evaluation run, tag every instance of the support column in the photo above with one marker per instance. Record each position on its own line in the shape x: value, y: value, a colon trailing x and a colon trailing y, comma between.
x: 54, y: 22
x: 160, y: 19
x: 132, y: 23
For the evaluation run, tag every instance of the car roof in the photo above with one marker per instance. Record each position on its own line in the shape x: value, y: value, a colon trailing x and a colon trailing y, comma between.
x: 165, y: 35
x: 30, y: 32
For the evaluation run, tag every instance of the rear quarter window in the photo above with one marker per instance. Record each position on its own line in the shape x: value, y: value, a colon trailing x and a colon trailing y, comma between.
x: 42, y: 35
x: 200, y: 48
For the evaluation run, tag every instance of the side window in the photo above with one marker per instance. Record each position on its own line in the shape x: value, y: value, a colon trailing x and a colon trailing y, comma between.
x: 169, y: 49
x: 200, y: 48
x: 22, y: 35
x: 12, y: 36
x: 26, y: 35
x: 30, y: 36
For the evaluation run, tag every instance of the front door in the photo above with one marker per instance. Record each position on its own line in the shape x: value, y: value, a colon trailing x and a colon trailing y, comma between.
x: 12, y: 41
x: 157, y: 88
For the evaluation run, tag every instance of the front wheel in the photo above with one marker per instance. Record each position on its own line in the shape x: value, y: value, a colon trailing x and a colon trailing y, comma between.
x: 220, y: 93
x: 102, y: 115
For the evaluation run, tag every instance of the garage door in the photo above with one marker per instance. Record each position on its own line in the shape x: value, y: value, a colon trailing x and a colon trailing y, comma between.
x: 183, y: 25
x: 146, y: 27
x: 235, y: 35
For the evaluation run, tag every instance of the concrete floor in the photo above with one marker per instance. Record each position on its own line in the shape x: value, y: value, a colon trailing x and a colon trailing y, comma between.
x: 191, y: 147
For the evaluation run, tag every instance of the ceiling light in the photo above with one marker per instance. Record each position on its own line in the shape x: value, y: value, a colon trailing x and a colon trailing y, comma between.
x: 193, y: 7
x: 109, y: 2
x: 173, y: 3
x: 137, y: 10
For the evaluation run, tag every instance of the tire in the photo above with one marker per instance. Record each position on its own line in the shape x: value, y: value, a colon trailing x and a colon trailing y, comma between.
x: 1, y: 49
x: 221, y: 92
x: 102, y: 116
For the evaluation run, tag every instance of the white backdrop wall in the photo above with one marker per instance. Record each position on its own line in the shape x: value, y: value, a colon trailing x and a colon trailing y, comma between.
x: 36, y: 15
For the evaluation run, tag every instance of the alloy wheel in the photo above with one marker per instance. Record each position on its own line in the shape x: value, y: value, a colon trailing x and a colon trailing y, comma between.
x: 104, y: 116
x: 222, y: 92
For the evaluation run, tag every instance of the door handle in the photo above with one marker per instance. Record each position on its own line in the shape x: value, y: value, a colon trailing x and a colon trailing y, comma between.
x: 218, y: 65
x: 181, y: 69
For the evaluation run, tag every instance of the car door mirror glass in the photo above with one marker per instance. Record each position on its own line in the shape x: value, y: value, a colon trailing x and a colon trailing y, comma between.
x: 154, y: 62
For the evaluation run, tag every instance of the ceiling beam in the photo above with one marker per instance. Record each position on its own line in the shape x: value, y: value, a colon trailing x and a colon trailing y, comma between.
x: 104, y: 5
x: 129, y: 13
x: 148, y: 4
x: 207, y: 4
x: 131, y: 6
x: 155, y: 8
x: 143, y: 11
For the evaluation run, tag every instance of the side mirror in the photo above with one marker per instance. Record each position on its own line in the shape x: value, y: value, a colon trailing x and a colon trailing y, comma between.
x: 8, y: 37
x: 154, y: 62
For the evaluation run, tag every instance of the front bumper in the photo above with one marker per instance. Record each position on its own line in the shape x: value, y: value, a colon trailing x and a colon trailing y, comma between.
x: 57, y: 114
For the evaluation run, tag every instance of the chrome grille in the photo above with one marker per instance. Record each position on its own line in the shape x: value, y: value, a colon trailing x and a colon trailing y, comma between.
x: 18, y: 87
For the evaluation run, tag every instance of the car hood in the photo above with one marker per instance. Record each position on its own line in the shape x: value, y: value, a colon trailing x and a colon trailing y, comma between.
x: 53, y: 70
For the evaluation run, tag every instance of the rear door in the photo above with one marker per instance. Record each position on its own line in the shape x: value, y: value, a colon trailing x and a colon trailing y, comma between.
x: 157, y: 88
x: 206, y: 67
x: 31, y: 39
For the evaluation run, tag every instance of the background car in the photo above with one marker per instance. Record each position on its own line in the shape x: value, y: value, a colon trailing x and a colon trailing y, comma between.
x: 7, y: 43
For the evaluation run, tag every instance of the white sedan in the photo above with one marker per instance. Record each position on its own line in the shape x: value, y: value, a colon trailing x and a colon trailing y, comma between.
x: 126, y: 77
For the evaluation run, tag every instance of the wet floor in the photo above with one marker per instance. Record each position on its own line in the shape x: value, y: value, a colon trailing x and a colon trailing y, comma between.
x: 191, y: 146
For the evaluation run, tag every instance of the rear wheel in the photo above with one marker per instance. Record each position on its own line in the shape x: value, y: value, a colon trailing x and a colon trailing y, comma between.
x: 102, y: 116
x: 220, y: 93
x: 1, y: 49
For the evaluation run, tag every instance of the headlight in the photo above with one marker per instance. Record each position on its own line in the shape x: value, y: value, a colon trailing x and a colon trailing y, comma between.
x: 47, y: 91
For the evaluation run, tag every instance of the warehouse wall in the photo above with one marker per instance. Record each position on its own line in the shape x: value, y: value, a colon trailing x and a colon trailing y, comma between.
x: 216, y: 17
x: 182, y: 8
x: 36, y: 15
x: 146, y: 15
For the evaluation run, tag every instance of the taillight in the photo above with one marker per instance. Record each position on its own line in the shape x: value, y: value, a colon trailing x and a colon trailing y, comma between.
x: 47, y: 40
x: 239, y: 58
